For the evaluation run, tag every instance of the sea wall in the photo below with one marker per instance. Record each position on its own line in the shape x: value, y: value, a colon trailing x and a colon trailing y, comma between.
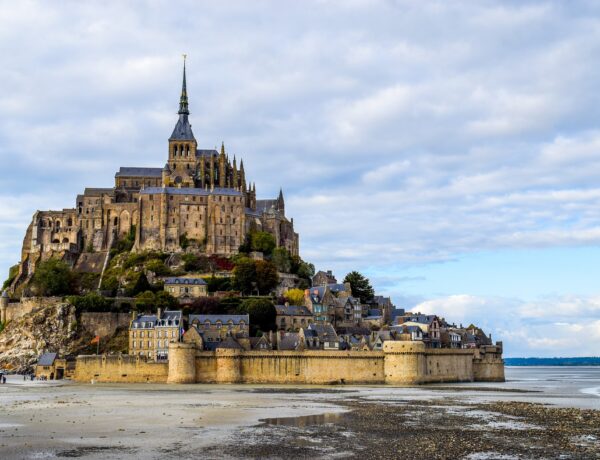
x: 400, y: 363
x: 119, y: 369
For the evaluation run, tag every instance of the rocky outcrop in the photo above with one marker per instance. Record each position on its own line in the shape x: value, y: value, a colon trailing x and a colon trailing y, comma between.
x: 52, y: 328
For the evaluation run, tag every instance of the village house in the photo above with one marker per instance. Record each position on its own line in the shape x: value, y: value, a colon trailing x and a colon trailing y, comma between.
x: 186, y: 289
x: 406, y: 332
x: 216, y: 328
x: 50, y: 367
x: 150, y: 335
x: 292, y: 317
x: 322, y: 278
x: 326, y: 302
x: 320, y: 337
x: 429, y: 324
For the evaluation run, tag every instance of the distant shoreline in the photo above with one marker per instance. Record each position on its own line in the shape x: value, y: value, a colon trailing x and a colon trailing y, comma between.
x: 558, y: 362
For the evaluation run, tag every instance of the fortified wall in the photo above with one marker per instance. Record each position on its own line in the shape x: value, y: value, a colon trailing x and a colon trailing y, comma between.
x: 400, y: 363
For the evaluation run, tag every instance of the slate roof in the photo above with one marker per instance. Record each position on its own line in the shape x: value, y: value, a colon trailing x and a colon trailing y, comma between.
x: 206, y: 152
x: 174, y: 316
x: 289, y: 341
x: 142, y: 321
x: 223, y: 318
x: 138, y: 172
x: 230, y: 343
x: 325, y: 332
x: 47, y: 359
x: 292, y: 310
x: 265, y: 205
x: 183, y: 130
x: 97, y: 191
x: 190, y: 191
x: 181, y: 280
x: 423, y: 319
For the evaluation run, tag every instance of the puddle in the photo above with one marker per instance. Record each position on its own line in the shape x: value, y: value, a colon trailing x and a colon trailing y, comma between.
x: 305, y: 420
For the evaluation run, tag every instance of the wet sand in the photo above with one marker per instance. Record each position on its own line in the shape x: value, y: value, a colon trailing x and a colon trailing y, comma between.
x: 537, y: 413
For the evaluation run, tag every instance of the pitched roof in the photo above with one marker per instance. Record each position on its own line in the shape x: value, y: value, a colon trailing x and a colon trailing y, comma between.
x: 265, y: 205
x: 230, y: 343
x: 181, y: 280
x: 289, y: 341
x: 189, y: 191
x: 170, y: 318
x: 292, y: 310
x: 326, y: 332
x: 127, y: 171
x: 144, y: 321
x: 182, y: 130
x: 47, y: 359
x: 236, y: 319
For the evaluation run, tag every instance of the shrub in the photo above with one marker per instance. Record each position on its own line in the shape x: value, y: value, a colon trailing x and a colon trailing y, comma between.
x: 295, y: 296
x: 53, y: 277
x: 12, y: 274
x: 158, y: 267
x: 91, y: 302
x: 262, y: 314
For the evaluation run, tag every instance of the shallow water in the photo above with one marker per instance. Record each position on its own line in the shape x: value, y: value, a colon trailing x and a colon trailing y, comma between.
x: 61, y: 419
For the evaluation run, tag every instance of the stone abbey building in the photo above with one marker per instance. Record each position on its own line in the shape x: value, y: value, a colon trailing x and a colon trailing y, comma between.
x: 200, y: 196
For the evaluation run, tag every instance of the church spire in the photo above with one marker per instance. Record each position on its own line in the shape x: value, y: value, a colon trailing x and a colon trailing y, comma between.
x: 183, y: 100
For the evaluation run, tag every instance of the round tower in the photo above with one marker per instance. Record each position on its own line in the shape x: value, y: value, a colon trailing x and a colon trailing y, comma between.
x: 3, y: 306
x: 228, y: 365
x: 182, y: 363
x: 404, y: 362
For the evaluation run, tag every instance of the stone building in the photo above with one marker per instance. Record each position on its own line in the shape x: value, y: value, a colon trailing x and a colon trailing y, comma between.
x: 215, y: 328
x: 292, y: 317
x: 186, y: 289
x: 200, y: 198
x: 50, y: 367
x: 150, y: 335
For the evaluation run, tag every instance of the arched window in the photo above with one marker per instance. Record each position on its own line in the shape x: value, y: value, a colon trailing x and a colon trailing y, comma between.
x: 65, y: 240
x: 57, y: 225
x: 116, y: 221
x: 69, y: 222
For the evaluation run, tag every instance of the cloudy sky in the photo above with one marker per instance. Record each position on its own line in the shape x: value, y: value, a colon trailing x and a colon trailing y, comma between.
x: 448, y: 150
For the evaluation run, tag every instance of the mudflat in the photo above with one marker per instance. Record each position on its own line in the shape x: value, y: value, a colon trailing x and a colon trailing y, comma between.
x: 537, y: 413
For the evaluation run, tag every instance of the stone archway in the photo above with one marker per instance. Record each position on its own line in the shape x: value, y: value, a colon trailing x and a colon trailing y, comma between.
x: 124, y: 223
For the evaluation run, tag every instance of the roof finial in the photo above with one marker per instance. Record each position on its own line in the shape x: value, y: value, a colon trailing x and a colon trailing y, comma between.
x: 183, y: 100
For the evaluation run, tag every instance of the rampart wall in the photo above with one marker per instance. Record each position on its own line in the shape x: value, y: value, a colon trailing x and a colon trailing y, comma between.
x: 400, y: 363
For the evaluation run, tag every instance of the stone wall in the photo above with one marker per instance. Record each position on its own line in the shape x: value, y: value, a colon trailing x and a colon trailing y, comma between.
x: 104, y: 324
x: 27, y: 305
x: 404, y: 363
x: 119, y: 369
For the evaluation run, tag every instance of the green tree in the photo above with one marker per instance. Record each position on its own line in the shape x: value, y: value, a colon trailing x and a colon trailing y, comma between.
x: 244, y: 275
x: 91, y: 302
x: 141, y: 285
x: 53, y: 277
x: 262, y: 314
x: 145, y: 300
x: 263, y: 242
x: 267, y: 277
x: 194, y: 263
x: 206, y: 306
x: 361, y: 287
x: 295, y: 296
x: 165, y: 301
x: 281, y: 259
x: 158, y: 267
x: 12, y: 274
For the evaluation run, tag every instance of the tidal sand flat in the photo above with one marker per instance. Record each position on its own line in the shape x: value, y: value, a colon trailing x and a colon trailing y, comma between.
x: 537, y: 413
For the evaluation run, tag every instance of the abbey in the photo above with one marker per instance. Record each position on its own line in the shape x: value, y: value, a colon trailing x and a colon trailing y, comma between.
x: 200, y: 198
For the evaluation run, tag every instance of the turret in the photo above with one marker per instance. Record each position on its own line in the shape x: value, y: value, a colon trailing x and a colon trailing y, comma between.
x: 235, y: 174
x: 222, y: 160
x: 280, y: 202
x: 3, y: 306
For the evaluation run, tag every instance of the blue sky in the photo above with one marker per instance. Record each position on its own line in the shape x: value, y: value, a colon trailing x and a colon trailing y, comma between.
x: 449, y: 150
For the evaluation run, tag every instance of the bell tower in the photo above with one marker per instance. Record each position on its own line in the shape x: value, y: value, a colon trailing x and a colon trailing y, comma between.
x: 182, y: 146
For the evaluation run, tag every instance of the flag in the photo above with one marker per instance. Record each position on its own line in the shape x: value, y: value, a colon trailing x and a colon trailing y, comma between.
x: 95, y: 340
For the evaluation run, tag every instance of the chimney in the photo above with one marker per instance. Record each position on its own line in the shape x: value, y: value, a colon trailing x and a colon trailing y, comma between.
x: 158, y: 313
